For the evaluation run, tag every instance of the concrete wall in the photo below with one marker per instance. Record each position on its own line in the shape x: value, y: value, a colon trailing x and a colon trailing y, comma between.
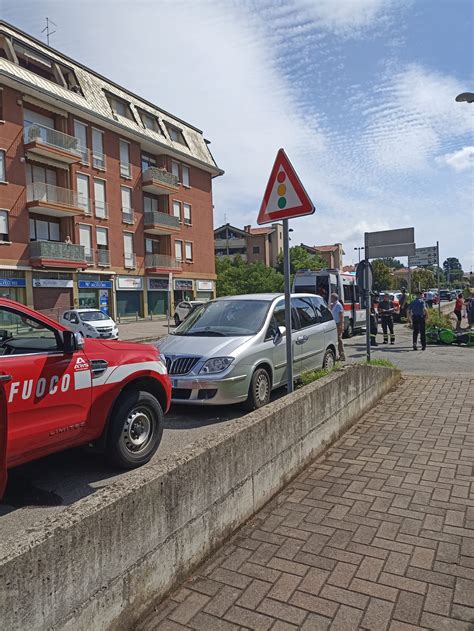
x: 100, y: 563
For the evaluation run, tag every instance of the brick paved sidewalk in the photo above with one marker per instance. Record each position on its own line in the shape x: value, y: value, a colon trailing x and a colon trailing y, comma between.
x: 377, y: 534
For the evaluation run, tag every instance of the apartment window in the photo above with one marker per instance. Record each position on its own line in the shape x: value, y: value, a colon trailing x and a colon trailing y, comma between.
x: 147, y: 162
x: 149, y: 246
x: 85, y: 239
x: 256, y: 249
x: 187, y: 214
x: 80, y: 132
x: 127, y: 212
x: 102, y: 240
x: 150, y: 204
x: 125, y: 169
x: 35, y: 173
x: 178, y: 250
x: 177, y: 209
x: 4, y: 232
x: 128, y: 249
x: 188, y: 247
x: 99, y: 199
x: 119, y: 106
x: 82, y: 182
x: 150, y: 121
x: 44, y: 230
x: 175, y: 168
x: 98, y: 156
x: 185, y: 175
x: 3, y: 174
x: 176, y: 134
x: 1, y: 105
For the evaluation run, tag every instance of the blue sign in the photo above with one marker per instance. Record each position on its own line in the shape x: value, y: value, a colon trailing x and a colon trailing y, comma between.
x: 12, y: 282
x: 94, y: 284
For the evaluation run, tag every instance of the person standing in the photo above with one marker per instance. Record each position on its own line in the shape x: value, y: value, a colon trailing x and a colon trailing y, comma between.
x: 458, y: 310
x: 419, y: 314
x: 373, y: 322
x: 429, y: 299
x: 386, y: 311
x: 337, y: 311
x: 403, y: 304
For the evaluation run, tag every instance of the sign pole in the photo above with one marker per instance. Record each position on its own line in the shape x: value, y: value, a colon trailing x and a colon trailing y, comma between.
x: 437, y: 273
x: 170, y: 290
x: 286, y: 271
x: 367, y: 297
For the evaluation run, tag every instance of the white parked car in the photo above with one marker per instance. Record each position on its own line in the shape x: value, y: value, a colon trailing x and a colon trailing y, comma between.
x: 184, y: 308
x: 91, y: 323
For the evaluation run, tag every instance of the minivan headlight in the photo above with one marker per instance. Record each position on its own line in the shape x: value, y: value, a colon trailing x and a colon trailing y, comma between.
x: 216, y: 364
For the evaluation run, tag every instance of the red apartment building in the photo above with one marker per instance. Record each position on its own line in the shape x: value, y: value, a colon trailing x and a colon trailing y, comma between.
x: 102, y: 194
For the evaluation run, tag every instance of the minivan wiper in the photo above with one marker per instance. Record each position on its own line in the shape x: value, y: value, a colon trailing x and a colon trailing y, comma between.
x: 206, y: 333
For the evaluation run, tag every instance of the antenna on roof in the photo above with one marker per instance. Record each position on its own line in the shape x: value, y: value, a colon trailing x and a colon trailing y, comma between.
x: 47, y: 29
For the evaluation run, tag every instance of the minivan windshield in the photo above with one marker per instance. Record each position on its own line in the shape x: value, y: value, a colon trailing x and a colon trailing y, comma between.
x: 90, y: 316
x: 226, y: 318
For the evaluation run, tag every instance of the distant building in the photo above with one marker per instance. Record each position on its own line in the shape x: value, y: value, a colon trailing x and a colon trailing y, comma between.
x: 332, y: 254
x: 251, y: 244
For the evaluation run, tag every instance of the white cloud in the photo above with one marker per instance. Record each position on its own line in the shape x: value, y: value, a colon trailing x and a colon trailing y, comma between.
x: 460, y: 160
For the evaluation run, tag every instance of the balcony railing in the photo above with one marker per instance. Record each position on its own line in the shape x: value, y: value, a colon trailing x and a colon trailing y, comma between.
x: 98, y: 160
x: 101, y: 210
x: 35, y: 132
x: 48, y: 193
x: 53, y: 250
x: 156, y: 218
x: 125, y: 169
x: 103, y: 258
x: 229, y: 243
x: 89, y: 255
x: 163, y: 261
x: 128, y: 216
x: 130, y: 260
x: 159, y: 181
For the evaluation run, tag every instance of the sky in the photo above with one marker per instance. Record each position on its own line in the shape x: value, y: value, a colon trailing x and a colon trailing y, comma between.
x: 360, y: 94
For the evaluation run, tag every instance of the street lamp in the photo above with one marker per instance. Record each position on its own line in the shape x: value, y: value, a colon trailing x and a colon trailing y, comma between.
x: 359, y: 249
x: 468, y: 97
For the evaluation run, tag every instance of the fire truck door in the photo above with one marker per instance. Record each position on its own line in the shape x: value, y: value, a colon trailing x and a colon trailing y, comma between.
x: 3, y: 434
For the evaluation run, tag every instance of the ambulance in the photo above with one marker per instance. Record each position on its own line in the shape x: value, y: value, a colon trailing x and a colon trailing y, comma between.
x: 59, y: 390
x: 323, y: 283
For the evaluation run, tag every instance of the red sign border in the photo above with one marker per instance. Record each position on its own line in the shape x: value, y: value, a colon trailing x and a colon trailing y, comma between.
x: 305, y: 208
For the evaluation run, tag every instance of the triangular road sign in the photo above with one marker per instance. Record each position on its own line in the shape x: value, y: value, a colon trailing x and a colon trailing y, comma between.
x: 284, y: 196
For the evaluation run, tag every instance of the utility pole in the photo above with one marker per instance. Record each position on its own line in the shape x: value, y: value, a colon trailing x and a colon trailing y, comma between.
x: 47, y: 29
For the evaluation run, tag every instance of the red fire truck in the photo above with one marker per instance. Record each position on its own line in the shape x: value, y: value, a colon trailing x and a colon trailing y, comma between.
x: 327, y: 281
x: 59, y: 391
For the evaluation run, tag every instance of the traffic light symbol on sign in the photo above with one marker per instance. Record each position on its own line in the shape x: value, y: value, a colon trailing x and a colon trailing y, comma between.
x: 281, y: 190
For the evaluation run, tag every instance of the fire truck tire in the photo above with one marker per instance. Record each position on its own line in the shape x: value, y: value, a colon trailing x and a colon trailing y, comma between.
x: 349, y: 332
x: 135, y: 430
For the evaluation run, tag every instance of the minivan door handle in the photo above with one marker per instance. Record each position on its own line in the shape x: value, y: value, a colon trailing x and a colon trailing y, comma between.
x: 5, y: 378
x: 301, y: 339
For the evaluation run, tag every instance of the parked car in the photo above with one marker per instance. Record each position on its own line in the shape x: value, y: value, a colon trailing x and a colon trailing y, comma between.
x: 445, y: 294
x: 91, y: 323
x: 232, y: 350
x: 63, y: 391
x: 184, y: 308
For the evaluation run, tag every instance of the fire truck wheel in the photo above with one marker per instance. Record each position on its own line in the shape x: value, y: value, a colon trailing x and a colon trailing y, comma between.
x: 135, y: 431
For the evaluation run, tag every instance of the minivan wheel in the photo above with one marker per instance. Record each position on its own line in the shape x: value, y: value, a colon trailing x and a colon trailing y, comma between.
x: 329, y: 359
x: 259, y: 390
x: 177, y: 321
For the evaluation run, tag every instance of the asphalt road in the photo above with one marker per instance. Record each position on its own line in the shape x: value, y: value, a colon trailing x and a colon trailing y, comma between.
x: 39, y: 489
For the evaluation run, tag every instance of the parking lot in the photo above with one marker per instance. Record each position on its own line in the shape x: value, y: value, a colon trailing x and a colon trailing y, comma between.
x: 41, y: 488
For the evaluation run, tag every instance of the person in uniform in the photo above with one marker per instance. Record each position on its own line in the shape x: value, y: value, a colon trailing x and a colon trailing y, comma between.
x: 403, y: 304
x: 386, y: 311
x: 419, y: 313
x: 374, y: 320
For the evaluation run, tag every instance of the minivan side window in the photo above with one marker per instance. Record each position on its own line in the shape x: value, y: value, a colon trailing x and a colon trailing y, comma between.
x: 307, y: 314
x: 323, y: 311
x: 278, y: 319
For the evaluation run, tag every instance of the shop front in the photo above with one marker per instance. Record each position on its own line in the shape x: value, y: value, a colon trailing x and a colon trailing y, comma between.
x: 183, y: 290
x: 53, y: 293
x: 157, y: 294
x: 95, y: 293
x: 204, y: 289
x: 129, y: 295
x: 13, y: 285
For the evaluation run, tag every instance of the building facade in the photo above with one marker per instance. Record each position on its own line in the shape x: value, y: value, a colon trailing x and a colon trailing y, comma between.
x: 251, y: 244
x: 331, y: 254
x: 103, y: 196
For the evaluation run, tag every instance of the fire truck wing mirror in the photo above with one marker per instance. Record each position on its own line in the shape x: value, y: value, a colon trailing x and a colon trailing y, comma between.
x: 72, y: 341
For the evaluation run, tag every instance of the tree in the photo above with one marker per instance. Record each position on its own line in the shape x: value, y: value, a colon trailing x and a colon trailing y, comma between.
x: 391, y: 263
x: 236, y: 277
x: 453, y: 269
x: 422, y: 279
x: 382, y: 279
x: 300, y: 258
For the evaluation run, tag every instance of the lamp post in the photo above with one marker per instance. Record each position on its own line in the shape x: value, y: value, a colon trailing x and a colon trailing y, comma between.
x: 359, y: 249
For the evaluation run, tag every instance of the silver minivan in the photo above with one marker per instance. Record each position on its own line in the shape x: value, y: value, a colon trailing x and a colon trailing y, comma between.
x: 232, y: 350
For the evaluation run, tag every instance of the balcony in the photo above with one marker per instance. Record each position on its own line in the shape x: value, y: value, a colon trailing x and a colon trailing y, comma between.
x: 128, y: 216
x: 161, y: 263
x: 55, y: 254
x: 51, y: 143
x: 55, y: 201
x: 159, y: 181
x: 161, y: 223
x: 103, y: 258
x: 223, y: 244
x: 89, y: 255
x: 129, y: 260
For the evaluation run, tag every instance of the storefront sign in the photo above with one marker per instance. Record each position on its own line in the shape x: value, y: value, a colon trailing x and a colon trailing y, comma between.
x: 104, y: 301
x: 158, y: 284
x: 52, y: 282
x: 12, y: 282
x: 205, y: 285
x: 183, y: 285
x: 130, y: 282
x: 94, y: 284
